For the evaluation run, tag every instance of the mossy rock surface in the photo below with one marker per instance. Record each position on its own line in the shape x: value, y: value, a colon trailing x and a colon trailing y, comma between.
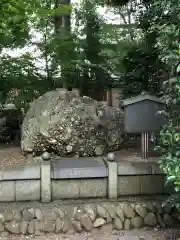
x: 69, y: 125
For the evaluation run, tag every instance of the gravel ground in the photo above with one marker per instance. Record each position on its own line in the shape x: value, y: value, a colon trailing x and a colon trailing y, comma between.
x: 142, y: 234
x: 12, y: 157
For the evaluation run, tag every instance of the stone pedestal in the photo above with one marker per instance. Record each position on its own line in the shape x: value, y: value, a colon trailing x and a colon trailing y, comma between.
x: 46, y: 181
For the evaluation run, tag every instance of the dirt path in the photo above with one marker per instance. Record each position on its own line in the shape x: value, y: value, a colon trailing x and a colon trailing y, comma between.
x: 142, y: 234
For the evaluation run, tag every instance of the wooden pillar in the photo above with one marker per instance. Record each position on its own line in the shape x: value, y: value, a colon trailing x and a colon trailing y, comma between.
x: 116, y: 97
x: 109, y: 97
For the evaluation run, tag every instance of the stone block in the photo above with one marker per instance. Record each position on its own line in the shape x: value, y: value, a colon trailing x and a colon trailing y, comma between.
x: 79, y: 168
x: 128, y: 168
x: 151, y: 184
x: 22, y: 173
x: 45, y: 181
x: 112, y: 179
x: 93, y: 188
x: 7, y: 191
x: 28, y: 190
x: 128, y: 185
x: 65, y: 189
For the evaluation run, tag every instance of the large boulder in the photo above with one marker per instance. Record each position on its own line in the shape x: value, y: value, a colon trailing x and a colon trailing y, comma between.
x: 69, y: 125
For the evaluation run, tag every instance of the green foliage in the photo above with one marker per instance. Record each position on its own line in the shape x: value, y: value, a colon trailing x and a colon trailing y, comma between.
x: 170, y: 142
x: 14, y: 26
x: 118, y: 3
x: 166, y: 24
x: 93, y: 63
x: 22, y: 72
x: 59, y: 58
x: 142, y: 71
x: 141, y: 67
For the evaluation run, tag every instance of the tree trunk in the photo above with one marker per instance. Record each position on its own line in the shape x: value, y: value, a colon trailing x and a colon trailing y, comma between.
x: 62, y: 24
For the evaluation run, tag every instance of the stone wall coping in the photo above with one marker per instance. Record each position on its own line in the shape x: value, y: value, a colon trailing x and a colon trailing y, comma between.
x: 138, y: 168
x: 79, y: 168
x: 28, y: 172
x: 95, y: 168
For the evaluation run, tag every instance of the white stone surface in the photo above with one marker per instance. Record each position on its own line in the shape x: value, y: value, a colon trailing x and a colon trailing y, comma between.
x: 79, y: 188
x: 7, y: 191
x: 112, y: 179
x: 27, y: 190
x: 46, y: 181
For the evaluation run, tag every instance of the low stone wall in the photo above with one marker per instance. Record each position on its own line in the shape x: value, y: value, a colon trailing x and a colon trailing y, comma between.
x: 72, y: 218
x: 95, y: 188
x: 79, y: 188
x: 23, y: 190
x: 79, y: 179
x: 141, y: 185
